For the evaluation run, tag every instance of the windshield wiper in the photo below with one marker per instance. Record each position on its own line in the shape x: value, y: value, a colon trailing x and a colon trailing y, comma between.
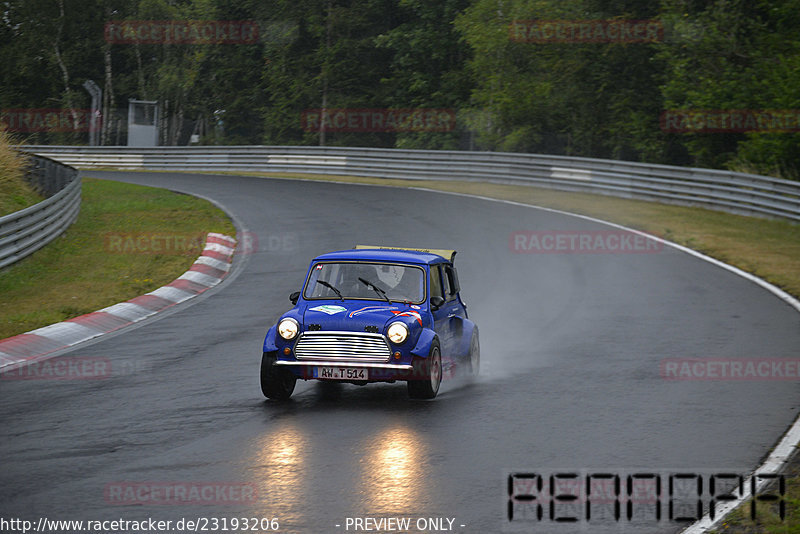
x: 326, y: 284
x: 378, y: 290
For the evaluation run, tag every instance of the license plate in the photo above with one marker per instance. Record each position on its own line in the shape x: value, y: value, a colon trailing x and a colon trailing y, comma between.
x: 341, y: 373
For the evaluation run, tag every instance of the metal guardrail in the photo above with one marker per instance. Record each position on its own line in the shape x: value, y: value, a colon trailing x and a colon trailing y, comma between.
x: 746, y: 194
x: 26, y: 231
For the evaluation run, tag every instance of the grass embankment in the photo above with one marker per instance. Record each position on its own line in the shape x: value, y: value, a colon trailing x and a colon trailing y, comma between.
x: 15, y: 193
x: 128, y: 240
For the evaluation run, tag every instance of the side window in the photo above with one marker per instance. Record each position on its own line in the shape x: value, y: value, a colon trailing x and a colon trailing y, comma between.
x: 436, y: 282
x: 450, y: 282
x: 452, y: 275
x: 448, y: 291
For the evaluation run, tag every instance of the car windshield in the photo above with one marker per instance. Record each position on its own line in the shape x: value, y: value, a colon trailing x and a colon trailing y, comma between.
x: 372, y: 281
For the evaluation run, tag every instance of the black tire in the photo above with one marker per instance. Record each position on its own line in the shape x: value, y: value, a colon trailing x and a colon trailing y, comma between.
x: 276, y: 382
x: 474, y: 356
x: 427, y: 374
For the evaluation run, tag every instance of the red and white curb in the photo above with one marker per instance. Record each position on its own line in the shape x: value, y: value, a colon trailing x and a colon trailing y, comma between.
x: 210, y: 268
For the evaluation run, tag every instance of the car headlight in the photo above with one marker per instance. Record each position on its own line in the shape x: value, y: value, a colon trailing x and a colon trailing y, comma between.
x: 288, y: 328
x: 397, y: 332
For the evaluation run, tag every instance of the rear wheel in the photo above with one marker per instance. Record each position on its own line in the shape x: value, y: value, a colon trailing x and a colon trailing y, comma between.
x: 424, y: 384
x: 474, y: 354
x: 276, y: 382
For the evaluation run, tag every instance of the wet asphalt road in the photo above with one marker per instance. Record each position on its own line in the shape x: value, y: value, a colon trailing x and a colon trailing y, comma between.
x: 571, y: 352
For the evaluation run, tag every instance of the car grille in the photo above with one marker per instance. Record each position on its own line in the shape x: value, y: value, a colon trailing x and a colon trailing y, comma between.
x: 343, y: 346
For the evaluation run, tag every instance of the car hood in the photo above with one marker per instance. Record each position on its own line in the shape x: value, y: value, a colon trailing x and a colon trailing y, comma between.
x: 356, y: 315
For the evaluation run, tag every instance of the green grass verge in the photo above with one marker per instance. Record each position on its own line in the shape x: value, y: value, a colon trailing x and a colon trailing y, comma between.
x: 108, y: 255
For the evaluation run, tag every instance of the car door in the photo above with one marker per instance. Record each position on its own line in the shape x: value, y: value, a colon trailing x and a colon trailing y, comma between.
x: 441, y: 315
x: 455, y: 309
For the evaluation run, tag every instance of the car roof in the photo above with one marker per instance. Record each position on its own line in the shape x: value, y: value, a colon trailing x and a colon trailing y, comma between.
x: 383, y: 255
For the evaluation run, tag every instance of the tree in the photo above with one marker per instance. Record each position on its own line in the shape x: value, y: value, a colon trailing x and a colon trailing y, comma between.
x: 428, y: 67
x: 564, y: 96
x: 735, y: 55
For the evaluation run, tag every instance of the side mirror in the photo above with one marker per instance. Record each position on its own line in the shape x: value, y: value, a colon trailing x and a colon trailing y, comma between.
x: 294, y: 297
x: 436, y: 302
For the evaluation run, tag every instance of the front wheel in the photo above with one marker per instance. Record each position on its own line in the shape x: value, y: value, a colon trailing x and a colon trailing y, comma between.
x: 276, y: 382
x: 427, y: 374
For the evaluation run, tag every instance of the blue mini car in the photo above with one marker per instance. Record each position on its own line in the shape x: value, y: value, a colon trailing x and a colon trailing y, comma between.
x: 373, y: 314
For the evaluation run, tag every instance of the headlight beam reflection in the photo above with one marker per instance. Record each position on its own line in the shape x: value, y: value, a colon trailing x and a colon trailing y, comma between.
x: 394, y: 477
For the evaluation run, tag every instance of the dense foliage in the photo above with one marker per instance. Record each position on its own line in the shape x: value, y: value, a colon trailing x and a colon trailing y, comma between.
x: 509, y: 91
